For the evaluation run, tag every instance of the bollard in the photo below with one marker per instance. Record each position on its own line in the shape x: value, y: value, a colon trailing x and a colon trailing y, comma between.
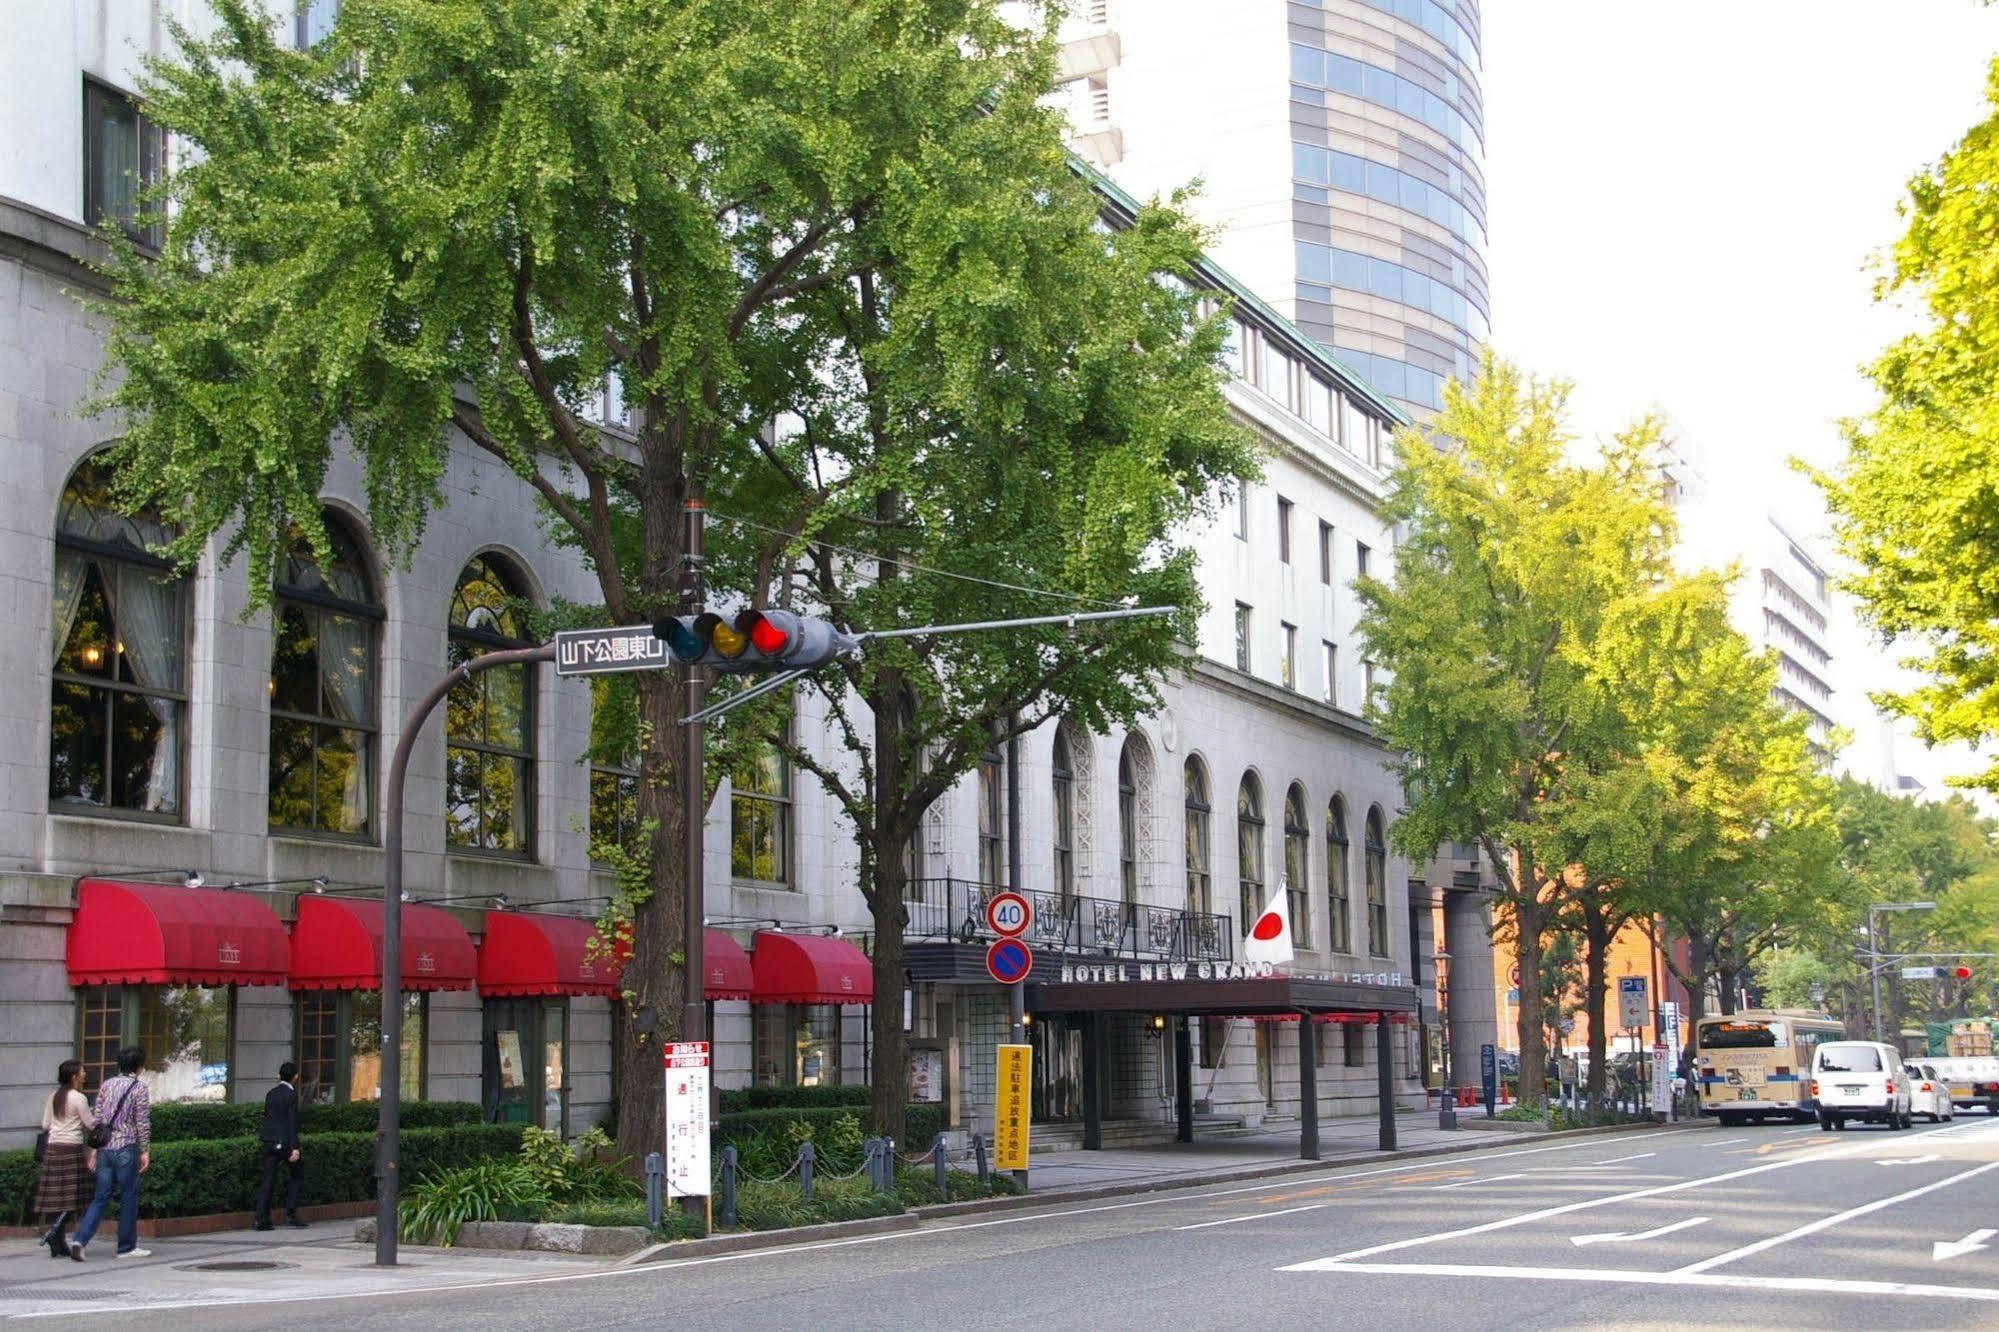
x: 655, y: 1181
x: 728, y: 1186
x: 979, y: 1154
x: 943, y: 1170
x: 805, y: 1155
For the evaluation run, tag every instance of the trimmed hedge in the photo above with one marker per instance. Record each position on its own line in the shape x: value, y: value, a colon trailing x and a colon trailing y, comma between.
x: 921, y: 1123
x: 814, y: 1098
x: 188, y: 1121
x: 194, y: 1177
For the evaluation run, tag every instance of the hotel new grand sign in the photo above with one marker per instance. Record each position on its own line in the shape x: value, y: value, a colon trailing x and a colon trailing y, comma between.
x: 1114, y: 973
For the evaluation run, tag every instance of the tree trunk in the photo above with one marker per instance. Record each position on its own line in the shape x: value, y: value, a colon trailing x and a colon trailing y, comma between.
x: 654, y: 980
x: 890, y: 1071
x: 1530, y: 923
x: 1697, y: 963
x: 1596, y: 985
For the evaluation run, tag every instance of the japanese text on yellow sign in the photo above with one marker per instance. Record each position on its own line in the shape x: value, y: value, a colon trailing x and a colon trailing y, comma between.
x: 1010, y: 1108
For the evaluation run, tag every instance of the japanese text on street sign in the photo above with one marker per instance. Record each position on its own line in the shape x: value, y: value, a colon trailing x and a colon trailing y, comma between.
x: 1919, y: 973
x: 1662, y: 1079
x: 1010, y: 1108
x: 1009, y: 914
x: 1634, y: 1006
x: 687, y: 1169
x: 629, y: 647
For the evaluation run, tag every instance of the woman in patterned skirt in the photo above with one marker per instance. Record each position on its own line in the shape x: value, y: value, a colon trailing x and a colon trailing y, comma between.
x: 69, y: 1166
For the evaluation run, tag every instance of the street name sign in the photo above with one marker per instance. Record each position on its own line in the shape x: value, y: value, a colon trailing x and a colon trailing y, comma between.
x: 687, y: 1166
x: 629, y: 647
x: 1009, y: 961
x: 1634, y: 1007
x: 1920, y: 973
x: 1010, y: 1106
x: 1008, y: 915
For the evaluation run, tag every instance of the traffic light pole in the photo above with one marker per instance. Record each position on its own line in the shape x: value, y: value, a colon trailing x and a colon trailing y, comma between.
x: 694, y: 1010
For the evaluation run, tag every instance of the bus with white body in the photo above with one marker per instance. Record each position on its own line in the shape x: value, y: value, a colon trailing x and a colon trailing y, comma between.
x: 1757, y: 1063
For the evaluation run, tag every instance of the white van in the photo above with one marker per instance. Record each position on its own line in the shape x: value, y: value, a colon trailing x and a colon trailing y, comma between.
x: 1862, y: 1080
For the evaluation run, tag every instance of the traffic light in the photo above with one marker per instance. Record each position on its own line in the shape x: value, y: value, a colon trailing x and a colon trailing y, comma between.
x: 754, y: 640
x: 1960, y: 972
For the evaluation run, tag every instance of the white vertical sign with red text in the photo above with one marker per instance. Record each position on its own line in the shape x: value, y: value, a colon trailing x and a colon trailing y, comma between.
x: 687, y: 1168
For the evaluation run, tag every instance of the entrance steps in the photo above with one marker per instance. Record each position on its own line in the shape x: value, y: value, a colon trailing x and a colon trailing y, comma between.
x: 1067, y: 1135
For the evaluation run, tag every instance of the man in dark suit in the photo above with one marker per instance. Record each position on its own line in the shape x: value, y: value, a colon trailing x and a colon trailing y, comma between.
x: 280, y: 1136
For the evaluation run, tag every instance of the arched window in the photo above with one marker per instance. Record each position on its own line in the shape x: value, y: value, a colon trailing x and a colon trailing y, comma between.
x: 323, y: 694
x: 118, y: 691
x: 1297, y: 860
x: 992, y: 818
x: 1063, y: 781
x: 1200, y: 896
x: 760, y: 816
x: 1249, y: 848
x: 1127, y: 826
x: 1339, y: 879
x: 489, y: 719
x: 1377, y: 886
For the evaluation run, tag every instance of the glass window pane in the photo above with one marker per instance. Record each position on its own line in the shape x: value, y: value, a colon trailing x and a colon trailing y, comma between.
x: 504, y: 806
x: 295, y: 662
x: 317, y: 1047
x: 80, y: 602
x: 145, y: 753
x: 555, y: 1066
x: 184, y: 1030
x: 291, y: 777
x: 77, y: 717
x: 343, y: 798
x: 101, y: 1018
x: 461, y: 797
x: 347, y: 668
x: 506, y: 707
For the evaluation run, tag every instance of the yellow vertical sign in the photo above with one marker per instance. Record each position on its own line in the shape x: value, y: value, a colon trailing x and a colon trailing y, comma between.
x: 1010, y: 1107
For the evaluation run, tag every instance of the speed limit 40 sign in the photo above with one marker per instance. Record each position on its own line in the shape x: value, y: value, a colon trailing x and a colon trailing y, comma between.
x: 1008, y: 914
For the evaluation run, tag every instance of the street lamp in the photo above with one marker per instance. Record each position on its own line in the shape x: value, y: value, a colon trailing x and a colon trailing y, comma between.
x: 1874, y: 951
x: 1447, y: 1109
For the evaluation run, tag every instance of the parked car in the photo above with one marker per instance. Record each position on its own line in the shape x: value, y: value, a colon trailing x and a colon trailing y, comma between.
x: 1973, y: 1082
x: 1929, y: 1095
x: 1860, y: 1080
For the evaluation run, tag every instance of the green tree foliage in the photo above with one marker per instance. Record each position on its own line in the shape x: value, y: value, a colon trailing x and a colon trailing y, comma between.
x: 1916, y: 503
x: 1519, y: 567
x: 1792, y: 978
x: 456, y: 224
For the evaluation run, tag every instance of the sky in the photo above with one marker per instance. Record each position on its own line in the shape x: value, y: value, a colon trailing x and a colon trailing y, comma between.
x: 1686, y: 199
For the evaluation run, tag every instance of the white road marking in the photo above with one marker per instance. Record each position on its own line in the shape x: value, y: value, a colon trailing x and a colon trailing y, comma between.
x: 1617, y: 1160
x: 1169, y: 1194
x: 1614, y: 1237
x: 1253, y: 1216
x: 1725, y: 1141
x: 1971, y: 1243
x: 1617, y: 1277
x: 1827, y: 1222
x: 1908, y: 1160
x: 1467, y: 1183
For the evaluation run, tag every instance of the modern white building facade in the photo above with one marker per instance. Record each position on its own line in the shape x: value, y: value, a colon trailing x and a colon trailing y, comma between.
x: 177, y: 761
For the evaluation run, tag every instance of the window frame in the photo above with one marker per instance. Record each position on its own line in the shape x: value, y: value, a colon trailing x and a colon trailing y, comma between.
x: 991, y: 795
x: 372, y: 614
x: 1252, y: 862
x: 1329, y: 666
x: 1241, y: 509
x: 127, y: 1001
x: 1197, y: 862
x: 1287, y: 673
x: 98, y: 552
x: 1284, y: 510
x: 151, y: 136
x: 1244, y: 657
x: 507, y: 573
x: 778, y: 806
x: 1062, y: 827
x: 1127, y: 810
x: 1375, y: 874
x: 1298, y: 886
x: 1339, y: 878
x: 1326, y: 539
x: 343, y: 1053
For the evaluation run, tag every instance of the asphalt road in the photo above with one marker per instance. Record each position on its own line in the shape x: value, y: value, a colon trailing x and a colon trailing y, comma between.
x: 1699, y: 1227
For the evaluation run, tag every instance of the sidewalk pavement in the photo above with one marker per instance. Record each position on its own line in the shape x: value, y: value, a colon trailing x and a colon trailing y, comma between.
x: 325, y: 1260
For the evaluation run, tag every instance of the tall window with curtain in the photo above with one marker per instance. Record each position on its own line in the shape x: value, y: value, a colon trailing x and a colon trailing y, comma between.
x: 1063, y: 780
x: 323, y: 688
x: 1200, y: 891
x: 614, y: 775
x: 1339, y: 879
x: 1249, y: 849
x: 1127, y: 826
x: 1377, y: 886
x: 489, y: 719
x: 992, y: 819
x: 1297, y: 859
x: 760, y: 816
x: 118, y: 691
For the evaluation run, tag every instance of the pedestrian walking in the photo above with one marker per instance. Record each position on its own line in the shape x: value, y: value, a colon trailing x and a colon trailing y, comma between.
x: 1567, y: 1070
x: 280, y: 1136
x: 64, y: 1185
x: 125, y: 1132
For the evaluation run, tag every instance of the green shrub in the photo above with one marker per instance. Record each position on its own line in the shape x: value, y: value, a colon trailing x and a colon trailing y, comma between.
x: 17, y: 1185
x: 589, y: 1170
x: 489, y: 1191
x: 780, y: 1206
x: 187, y: 1121
x: 675, y: 1224
x: 795, y: 1098
x: 916, y: 1186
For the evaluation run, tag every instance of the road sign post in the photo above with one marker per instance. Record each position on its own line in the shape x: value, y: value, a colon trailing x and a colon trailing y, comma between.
x: 1488, y: 1075
x: 1010, y: 1107
x: 686, y: 1072
x: 1008, y: 915
x: 1634, y: 1004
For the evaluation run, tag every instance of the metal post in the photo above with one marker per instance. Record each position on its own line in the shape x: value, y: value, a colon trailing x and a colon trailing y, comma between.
x: 1308, y: 1088
x: 805, y: 1159
x: 1093, y: 1098
x: 729, y: 1186
x: 941, y: 1168
x: 1016, y: 995
x: 1447, y: 1099
x: 655, y: 1179
x: 1874, y: 970
x: 388, y: 1138
x: 979, y: 1155
x: 1384, y: 1081
x: 694, y: 1008
x: 1183, y: 1077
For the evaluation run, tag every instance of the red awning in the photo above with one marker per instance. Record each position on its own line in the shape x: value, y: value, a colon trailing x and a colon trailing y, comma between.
x: 337, y: 945
x: 727, y: 966
x: 152, y: 934
x: 809, y: 969
x: 524, y: 953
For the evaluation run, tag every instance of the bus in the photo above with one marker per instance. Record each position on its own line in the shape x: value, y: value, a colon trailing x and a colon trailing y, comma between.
x: 1757, y: 1063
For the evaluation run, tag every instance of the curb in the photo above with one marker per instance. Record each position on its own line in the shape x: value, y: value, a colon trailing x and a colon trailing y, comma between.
x: 911, y: 1220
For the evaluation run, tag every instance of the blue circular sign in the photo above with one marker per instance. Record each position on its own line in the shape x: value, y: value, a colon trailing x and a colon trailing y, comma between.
x: 1009, y: 961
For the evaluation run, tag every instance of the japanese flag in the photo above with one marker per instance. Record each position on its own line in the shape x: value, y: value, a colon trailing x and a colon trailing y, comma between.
x: 1270, y: 936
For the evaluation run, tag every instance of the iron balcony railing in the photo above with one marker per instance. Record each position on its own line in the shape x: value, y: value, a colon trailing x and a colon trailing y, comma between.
x: 955, y: 909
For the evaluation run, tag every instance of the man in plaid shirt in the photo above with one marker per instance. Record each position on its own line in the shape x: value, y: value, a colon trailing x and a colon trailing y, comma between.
x: 125, y: 1113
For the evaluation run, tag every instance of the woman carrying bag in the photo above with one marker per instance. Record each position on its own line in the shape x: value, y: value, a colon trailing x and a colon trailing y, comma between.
x: 69, y: 1166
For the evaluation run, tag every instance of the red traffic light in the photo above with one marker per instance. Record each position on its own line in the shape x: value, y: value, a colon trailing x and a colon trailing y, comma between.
x: 1960, y: 972
x: 753, y: 640
x: 767, y: 635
